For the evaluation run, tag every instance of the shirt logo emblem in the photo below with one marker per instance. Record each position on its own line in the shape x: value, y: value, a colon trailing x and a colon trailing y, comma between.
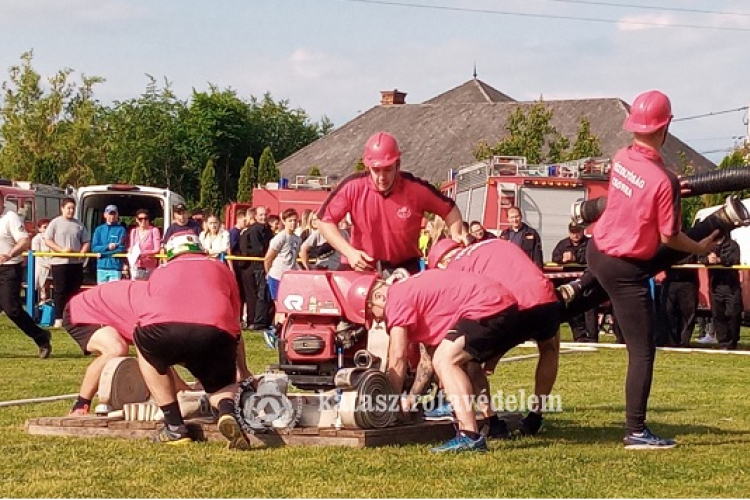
x: 403, y: 213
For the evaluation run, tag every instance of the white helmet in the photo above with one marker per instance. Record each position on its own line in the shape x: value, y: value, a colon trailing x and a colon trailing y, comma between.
x: 186, y: 242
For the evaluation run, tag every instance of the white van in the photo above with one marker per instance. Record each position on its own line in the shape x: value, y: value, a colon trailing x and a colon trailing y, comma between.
x: 92, y: 200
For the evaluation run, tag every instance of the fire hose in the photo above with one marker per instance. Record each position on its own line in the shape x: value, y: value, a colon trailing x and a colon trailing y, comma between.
x: 719, y: 181
x: 369, y: 402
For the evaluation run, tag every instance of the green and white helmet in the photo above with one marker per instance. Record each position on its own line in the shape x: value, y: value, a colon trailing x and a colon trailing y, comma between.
x: 180, y: 243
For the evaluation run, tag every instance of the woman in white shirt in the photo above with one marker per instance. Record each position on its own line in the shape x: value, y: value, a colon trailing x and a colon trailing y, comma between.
x: 215, y: 239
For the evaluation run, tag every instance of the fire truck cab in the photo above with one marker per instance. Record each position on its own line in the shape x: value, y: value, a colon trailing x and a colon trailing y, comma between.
x: 32, y: 201
x: 486, y: 190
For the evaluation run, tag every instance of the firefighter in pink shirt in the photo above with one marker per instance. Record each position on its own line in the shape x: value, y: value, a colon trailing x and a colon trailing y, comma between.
x: 461, y: 318
x: 101, y: 321
x: 538, y: 306
x: 386, y: 207
x: 643, y: 211
x: 189, y: 315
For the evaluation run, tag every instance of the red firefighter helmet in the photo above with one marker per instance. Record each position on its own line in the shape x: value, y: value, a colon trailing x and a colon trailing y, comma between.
x: 357, y: 297
x: 381, y: 151
x: 650, y: 112
x: 439, y: 250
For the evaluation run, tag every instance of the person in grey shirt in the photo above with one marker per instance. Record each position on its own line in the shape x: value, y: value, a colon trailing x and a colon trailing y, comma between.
x: 316, y: 246
x: 14, y: 240
x: 65, y: 234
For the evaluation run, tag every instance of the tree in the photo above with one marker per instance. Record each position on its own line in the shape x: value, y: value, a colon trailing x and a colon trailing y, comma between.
x: 267, y: 170
x: 142, y: 142
x: 531, y: 134
x: 359, y: 166
x: 50, y: 132
x: 248, y: 179
x: 586, y: 144
x: 217, y: 125
x: 315, y: 171
x: 210, y: 189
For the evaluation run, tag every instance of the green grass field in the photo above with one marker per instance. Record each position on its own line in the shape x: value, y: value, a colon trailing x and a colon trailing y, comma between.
x: 702, y: 400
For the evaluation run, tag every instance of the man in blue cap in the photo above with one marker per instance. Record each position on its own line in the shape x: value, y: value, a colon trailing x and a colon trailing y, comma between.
x: 108, y: 240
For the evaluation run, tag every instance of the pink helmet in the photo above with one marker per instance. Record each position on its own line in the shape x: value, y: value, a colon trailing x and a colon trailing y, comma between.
x: 440, y: 250
x: 650, y: 112
x: 357, y: 297
x: 381, y: 151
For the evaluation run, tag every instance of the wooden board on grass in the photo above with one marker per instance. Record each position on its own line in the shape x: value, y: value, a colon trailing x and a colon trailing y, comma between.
x: 423, y: 432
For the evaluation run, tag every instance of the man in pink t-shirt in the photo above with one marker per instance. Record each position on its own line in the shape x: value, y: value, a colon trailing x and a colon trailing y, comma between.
x: 189, y: 315
x: 101, y: 321
x: 386, y: 207
x: 538, y: 306
x: 461, y: 318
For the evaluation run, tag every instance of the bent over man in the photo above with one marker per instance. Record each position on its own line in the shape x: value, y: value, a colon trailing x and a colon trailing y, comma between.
x: 461, y: 318
x: 538, y: 307
x: 194, y: 322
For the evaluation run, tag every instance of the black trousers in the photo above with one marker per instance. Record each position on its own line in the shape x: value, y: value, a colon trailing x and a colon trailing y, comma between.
x: 585, y: 326
x: 680, y: 304
x: 726, y: 306
x: 66, y: 282
x: 626, y: 281
x: 11, y: 276
x: 257, y: 297
x: 240, y: 284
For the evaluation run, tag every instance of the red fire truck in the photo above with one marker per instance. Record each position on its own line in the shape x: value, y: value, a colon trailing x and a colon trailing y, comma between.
x: 306, y: 192
x: 31, y: 201
x: 545, y: 193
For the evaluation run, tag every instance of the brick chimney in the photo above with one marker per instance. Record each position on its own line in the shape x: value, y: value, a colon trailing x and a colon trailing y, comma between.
x: 392, y: 97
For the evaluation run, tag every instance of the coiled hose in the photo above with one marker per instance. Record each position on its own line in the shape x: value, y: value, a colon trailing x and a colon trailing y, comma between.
x: 718, y: 181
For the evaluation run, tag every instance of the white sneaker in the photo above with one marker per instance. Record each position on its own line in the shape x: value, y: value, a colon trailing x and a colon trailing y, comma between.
x: 58, y: 323
x: 102, y: 409
x: 707, y: 339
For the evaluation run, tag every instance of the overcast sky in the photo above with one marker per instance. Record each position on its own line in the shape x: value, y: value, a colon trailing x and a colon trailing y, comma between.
x: 332, y: 57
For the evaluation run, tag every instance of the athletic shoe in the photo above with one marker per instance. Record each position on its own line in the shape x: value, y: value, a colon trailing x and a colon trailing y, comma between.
x: 647, y: 441
x: 45, y: 350
x: 58, y: 324
x: 497, y: 431
x: 462, y: 443
x: 442, y: 412
x: 272, y: 340
x: 82, y: 411
x: 102, y: 409
x: 230, y: 429
x: 530, y: 424
x: 707, y: 339
x: 172, y: 435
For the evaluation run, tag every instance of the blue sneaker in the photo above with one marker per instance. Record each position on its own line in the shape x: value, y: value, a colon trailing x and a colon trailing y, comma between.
x: 272, y: 341
x: 441, y: 412
x: 461, y: 443
x: 647, y: 441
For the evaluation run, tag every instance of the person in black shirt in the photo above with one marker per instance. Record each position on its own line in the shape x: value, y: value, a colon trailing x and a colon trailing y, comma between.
x: 680, y: 303
x: 524, y: 236
x: 726, y: 294
x: 254, y: 243
x: 477, y: 230
x: 572, y: 250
